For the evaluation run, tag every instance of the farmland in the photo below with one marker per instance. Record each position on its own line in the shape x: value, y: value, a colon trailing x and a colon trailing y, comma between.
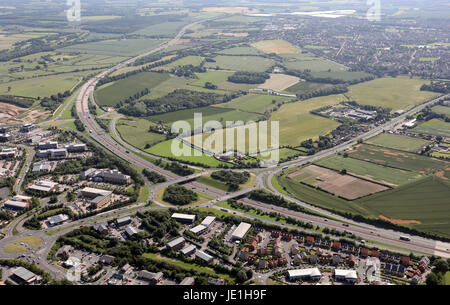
x: 122, y: 47
x: 276, y: 46
x: 241, y: 63
x: 399, y: 142
x: 434, y: 127
x: 254, y: 102
x: 112, y: 93
x: 279, y: 82
x: 425, y: 201
x: 305, y: 87
x: 301, y: 61
x: 395, y: 93
x: 241, y: 51
x: 397, y: 159
x: 344, y: 186
x: 441, y: 110
x: 368, y: 170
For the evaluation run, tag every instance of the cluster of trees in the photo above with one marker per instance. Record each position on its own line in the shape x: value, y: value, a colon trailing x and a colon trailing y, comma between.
x: 441, y: 267
x: 153, y: 177
x: 187, y: 70
x: 159, y: 223
x: 17, y: 100
x: 427, y: 114
x: 103, y: 123
x: 175, y: 167
x: 209, y: 85
x: 249, y: 77
x: 306, y: 75
x: 179, y: 195
x: 232, y: 179
x: 34, y: 223
x: 323, y: 142
x: 437, y: 86
x: 54, y: 101
x: 382, y: 112
x: 266, y: 197
x: 177, y: 100
x: 337, y: 89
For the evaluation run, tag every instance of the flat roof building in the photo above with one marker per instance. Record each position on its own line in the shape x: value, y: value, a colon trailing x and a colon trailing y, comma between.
x: 57, y: 219
x: 48, y: 145
x: 240, y: 231
x: 130, y: 231
x: 176, y: 244
x: 188, y: 250
x: 98, y: 197
x: 43, y: 167
x: 307, y: 273
x: 123, y: 221
x: 208, y: 221
x: 24, y: 275
x: 204, y: 256
x: 343, y: 275
x: 187, y: 281
x: 44, y: 186
x: 15, y: 205
x: 198, y: 229
x: 183, y: 217
x: 75, y: 147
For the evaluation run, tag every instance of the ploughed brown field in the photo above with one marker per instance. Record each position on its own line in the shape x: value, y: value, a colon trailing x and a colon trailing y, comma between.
x: 345, y: 186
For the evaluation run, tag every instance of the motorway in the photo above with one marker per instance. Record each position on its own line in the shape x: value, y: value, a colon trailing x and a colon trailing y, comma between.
x: 375, y: 236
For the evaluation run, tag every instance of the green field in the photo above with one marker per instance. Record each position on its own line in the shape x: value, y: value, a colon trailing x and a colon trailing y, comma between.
x: 434, y: 127
x: 367, y: 170
x: 167, y: 29
x: 117, y: 47
x: 441, y: 110
x: 395, y: 93
x: 399, y: 142
x: 112, y: 93
x: 188, y: 60
x: 311, y: 62
x: 254, y: 102
x: 164, y: 149
x: 209, y: 113
x: 136, y: 132
x: 241, y: 63
x: 215, y: 77
x: 42, y: 86
x: 425, y: 201
x: 207, y: 180
x: 305, y: 87
x: 397, y: 159
x: 341, y: 75
x: 241, y: 51
x: 298, y: 124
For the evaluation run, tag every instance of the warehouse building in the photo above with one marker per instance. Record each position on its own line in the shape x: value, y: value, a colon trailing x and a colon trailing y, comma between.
x: 198, y: 229
x: 348, y: 276
x: 204, y: 256
x: 240, y: 231
x: 57, y: 220
x: 24, y: 275
x: 176, y: 244
x: 185, y: 218
x: 188, y: 250
x: 106, y: 175
x: 187, y: 281
x: 44, y: 186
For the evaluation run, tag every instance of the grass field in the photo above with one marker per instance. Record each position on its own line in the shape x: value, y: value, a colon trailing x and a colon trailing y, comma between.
x: 188, y: 60
x: 399, y: 142
x: 136, y: 132
x: 276, y: 46
x: 301, y: 61
x: 168, y: 29
x: 118, y: 47
x: 341, y: 75
x: 209, y: 113
x: 397, y: 159
x: 207, y: 180
x: 112, y: 93
x: 241, y: 51
x: 367, y: 170
x: 14, y: 249
x: 395, y: 93
x: 422, y: 204
x: 42, y: 86
x: 305, y: 87
x: 425, y: 201
x: 241, y: 63
x: 164, y: 149
x: 441, y: 110
x: 215, y: 77
x: 434, y: 127
x: 254, y: 102
x: 298, y: 124
x: 32, y: 241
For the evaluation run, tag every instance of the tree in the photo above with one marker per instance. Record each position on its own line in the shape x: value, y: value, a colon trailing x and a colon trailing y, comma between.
x: 53, y: 199
x: 343, y: 171
x: 241, y: 276
x: 441, y: 265
x: 432, y: 279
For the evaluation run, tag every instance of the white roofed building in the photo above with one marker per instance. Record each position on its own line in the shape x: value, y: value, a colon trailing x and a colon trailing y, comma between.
x: 240, y: 231
x: 307, y: 273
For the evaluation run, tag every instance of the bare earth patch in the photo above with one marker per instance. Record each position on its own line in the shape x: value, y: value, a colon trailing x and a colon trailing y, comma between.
x: 346, y: 186
x: 9, y: 114
x: 399, y: 221
x: 279, y: 82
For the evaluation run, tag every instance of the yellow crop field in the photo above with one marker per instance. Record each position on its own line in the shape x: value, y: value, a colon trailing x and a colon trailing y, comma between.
x: 276, y: 46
